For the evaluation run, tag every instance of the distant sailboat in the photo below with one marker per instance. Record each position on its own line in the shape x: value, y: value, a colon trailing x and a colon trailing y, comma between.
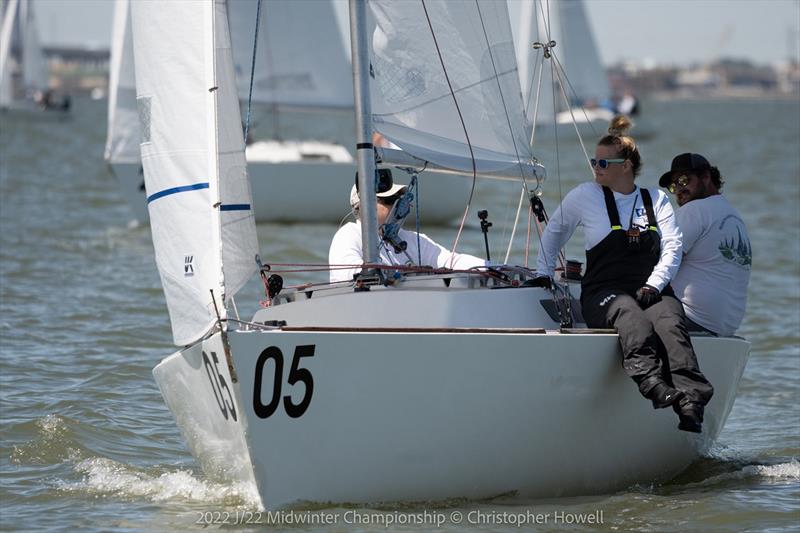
x: 18, y: 32
x: 301, y: 66
x: 573, y: 62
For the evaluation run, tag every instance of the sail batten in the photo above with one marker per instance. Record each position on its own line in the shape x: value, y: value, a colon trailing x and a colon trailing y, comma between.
x: 193, y: 157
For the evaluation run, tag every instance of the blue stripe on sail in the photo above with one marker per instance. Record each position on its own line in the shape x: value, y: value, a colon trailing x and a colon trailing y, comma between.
x: 235, y: 207
x: 175, y: 190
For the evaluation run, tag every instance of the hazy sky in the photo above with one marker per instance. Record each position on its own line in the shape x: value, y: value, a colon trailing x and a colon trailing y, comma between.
x: 666, y: 31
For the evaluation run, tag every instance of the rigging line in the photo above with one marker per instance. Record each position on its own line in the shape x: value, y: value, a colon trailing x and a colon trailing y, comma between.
x: 559, y: 71
x: 466, y: 134
x: 514, y: 227
x: 252, y: 73
x: 553, y: 73
x: 575, y: 95
x: 270, y: 68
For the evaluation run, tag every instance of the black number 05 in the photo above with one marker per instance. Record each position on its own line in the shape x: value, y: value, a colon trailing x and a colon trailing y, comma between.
x: 295, y: 374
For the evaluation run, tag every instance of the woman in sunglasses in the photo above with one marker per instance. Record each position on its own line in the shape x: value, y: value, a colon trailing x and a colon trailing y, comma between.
x: 633, y: 249
x: 420, y: 250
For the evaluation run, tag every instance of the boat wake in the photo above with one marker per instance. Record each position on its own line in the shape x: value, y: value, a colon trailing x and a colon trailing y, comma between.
x: 755, y: 473
x: 108, y: 478
x: 55, y: 442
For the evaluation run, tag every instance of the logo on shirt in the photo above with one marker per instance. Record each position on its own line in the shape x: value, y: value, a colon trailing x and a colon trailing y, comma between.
x: 736, y: 249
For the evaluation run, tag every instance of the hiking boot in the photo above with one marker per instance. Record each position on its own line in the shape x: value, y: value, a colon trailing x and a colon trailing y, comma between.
x: 662, y: 395
x: 690, y: 415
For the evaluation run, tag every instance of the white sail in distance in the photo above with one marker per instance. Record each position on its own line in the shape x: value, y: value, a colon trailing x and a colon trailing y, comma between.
x: 6, y: 31
x: 122, y: 143
x: 300, y: 61
x: 34, y: 64
x: 192, y: 149
x: 422, y: 51
x: 577, y: 51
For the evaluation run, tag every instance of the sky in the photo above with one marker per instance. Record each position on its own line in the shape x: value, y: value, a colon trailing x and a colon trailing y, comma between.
x: 672, y: 32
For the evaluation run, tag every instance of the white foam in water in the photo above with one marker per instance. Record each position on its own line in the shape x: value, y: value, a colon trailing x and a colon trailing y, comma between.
x: 106, y: 477
x: 784, y: 471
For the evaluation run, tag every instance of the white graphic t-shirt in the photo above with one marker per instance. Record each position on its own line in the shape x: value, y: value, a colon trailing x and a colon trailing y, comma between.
x: 713, y: 276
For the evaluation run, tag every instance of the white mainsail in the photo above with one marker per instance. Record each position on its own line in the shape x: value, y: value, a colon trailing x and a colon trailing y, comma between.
x: 466, y: 46
x: 6, y: 30
x: 122, y: 143
x: 301, y: 61
x: 193, y: 156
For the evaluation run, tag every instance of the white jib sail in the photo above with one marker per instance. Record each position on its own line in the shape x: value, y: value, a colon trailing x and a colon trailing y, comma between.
x: 301, y: 60
x: 34, y: 64
x: 122, y: 142
x: 418, y: 56
x: 6, y: 30
x: 192, y: 148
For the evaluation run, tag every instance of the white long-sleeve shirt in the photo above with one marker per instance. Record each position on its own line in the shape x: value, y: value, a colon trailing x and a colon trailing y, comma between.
x: 346, y: 250
x: 585, y: 206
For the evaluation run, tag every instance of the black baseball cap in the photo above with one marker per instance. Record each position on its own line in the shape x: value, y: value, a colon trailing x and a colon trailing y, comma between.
x: 684, y: 163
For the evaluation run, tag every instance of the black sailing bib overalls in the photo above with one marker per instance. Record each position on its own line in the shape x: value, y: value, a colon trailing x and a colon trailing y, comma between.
x: 622, y: 261
x: 616, y: 268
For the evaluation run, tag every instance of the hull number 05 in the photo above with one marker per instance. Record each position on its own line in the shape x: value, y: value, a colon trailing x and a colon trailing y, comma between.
x: 296, y: 374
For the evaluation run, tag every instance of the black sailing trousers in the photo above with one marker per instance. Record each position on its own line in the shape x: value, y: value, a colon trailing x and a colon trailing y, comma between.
x: 655, y: 343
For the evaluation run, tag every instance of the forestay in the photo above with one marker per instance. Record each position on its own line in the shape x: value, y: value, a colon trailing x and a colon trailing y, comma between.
x: 301, y: 60
x: 122, y: 144
x: 419, y: 50
x: 193, y: 156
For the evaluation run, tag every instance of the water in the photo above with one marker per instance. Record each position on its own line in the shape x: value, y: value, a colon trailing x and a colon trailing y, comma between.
x: 88, y: 444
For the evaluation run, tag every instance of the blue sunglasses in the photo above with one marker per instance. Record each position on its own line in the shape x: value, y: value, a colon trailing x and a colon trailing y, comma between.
x: 603, y: 163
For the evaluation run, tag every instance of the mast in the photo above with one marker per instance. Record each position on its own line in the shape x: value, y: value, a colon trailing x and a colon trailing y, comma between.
x: 364, y: 150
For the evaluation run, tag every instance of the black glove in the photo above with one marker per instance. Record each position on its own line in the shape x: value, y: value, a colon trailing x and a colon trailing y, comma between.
x: 647, y: 296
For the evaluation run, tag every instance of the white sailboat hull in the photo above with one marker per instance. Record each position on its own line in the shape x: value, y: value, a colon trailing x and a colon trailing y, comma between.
x: 416, y: 415
x: 312, y: 192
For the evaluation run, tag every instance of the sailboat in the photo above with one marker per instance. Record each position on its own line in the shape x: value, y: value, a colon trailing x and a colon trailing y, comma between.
x: 18, y: 32
x: 302, y: 68
x: 412, y: 384
x: 566, y: 44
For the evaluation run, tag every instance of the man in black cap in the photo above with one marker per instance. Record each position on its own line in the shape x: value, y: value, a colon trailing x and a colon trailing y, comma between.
x: 712, y: 279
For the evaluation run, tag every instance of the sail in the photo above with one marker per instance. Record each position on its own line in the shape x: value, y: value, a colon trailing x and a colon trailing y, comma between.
x: 535, y: 72
x: 301, y: 60
x: 192, y: 149
x: 577, y: 51
x: 6, y: 30
x: 418, y: 52
x: 34, y: 64
x: 122, y: 143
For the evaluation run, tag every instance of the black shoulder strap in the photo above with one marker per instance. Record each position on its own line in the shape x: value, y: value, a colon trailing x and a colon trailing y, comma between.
x: 648, y: 207
x: 611, y: 208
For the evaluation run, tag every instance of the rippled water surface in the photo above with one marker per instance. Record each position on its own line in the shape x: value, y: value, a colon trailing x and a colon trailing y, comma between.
x: 88, y: 444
